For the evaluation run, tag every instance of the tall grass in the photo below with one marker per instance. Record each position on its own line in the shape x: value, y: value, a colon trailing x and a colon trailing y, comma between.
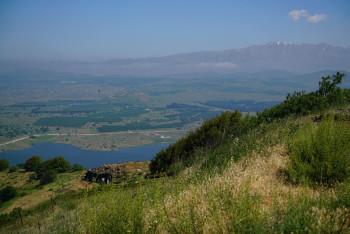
x: 235, y: 188
x: 320, y: 153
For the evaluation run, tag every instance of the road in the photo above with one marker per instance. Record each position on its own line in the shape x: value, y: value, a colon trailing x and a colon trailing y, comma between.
x: 89, y: 134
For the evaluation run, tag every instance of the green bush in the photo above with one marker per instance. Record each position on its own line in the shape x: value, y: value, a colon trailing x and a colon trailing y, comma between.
x: 77, y: 167
x: 211, y: 134
x: 343, y: 195
x: 7, y: 193
x: 47, y: 170
x: 58, y: 164
x: 33, y: 163
x: 302, y: 103
x: 47, y: 177
x: 4, y: 164
x: 320, y: 154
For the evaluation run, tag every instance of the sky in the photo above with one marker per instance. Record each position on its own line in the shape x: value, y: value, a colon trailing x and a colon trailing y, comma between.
x: 104, y: 29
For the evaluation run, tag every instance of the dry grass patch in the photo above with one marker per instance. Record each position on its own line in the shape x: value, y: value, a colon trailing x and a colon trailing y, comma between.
x: 246, y: 190
x: 35, y: 195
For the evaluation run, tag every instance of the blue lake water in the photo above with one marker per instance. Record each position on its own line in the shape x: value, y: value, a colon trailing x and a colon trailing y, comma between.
x: 87, y: 158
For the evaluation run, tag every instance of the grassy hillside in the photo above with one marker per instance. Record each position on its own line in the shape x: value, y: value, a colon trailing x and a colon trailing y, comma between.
x: 284, y: 170
x: 31, y: 193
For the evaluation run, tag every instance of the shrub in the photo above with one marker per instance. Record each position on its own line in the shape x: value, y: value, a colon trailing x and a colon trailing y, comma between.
x: 8, y: 217
x: 58, y: 164
x: 47, y: 177
x: 7, y: 193
x: 301, y: 103
x: 33, y: 163
x: 13, y: 169
x: 33, y: 177
x: 211, y: 134
x: 320, y: 154
x: 20, y: 165
x: 4, y: 164
x: 77, y: 167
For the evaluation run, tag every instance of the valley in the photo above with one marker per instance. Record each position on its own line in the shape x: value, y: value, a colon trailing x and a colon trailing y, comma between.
x: 121, y: 112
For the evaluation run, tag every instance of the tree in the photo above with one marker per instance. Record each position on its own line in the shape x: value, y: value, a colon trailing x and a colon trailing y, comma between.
x: 4, y: 164
x: 329, y: 84
x: 33, y: 163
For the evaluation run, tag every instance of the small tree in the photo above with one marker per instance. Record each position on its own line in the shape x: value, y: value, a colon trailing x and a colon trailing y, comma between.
x: 329, y: 88
x: 4, y: 164
x: 329, y: 84
x: 33, y: 163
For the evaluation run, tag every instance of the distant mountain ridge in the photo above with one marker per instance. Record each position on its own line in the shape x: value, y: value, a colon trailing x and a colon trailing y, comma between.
x: 289, y: 57
x: 299, y: 58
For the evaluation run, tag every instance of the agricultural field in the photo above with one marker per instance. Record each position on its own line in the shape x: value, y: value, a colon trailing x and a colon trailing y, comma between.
x: 102, y: 125
x: 106, y: 113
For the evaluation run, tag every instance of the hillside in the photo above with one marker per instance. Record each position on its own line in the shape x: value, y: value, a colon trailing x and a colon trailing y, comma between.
x: 284, y: 170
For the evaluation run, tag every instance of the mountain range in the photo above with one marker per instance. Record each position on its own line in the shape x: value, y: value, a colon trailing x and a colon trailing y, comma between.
x: 281, y: 56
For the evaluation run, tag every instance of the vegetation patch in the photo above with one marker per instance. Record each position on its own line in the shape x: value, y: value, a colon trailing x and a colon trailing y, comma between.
x: 7, y: 193
x: 4, y: 164
x: 228, y: 125
x: 301, y: 103
x: 321, y: 153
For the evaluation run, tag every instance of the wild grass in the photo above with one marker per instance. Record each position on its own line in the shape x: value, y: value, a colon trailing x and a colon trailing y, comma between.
x: 238, y: 187
x: 320, y: 154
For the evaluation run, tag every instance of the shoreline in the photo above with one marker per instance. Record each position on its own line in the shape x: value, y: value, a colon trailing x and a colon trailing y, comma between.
x: 109, y: 141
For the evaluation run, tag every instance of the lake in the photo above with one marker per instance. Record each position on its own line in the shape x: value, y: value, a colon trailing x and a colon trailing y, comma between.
x: 87, y: 158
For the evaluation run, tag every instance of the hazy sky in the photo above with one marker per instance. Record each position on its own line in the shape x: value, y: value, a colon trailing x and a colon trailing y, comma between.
x: 74, y: 29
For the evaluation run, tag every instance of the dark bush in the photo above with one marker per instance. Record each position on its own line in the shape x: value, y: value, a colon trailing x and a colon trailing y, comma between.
x: 48, y: 170
x: 8, y: 217
x: 33, y: 163
x: 77, y: 167
x: 20, y: 165
x: 33, y: 177
x: 4, y: 164
x: 7, y: 193
x: 320, y: 154
x: 48, y: 176
x: 210, y: 134
x: 58, y: 164
x: 13, y: 169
